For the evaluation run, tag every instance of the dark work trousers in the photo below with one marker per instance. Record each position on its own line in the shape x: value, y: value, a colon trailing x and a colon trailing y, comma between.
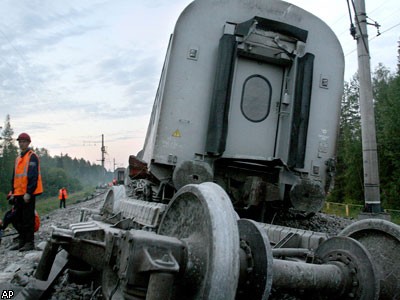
x: 62, y: 203
x: 25, y: 218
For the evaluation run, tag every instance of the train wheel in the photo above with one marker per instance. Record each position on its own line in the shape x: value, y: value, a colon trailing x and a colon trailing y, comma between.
x: 356, y: 261
x: 203, y: 217
x: 382, y: 240
x: 256, y: 277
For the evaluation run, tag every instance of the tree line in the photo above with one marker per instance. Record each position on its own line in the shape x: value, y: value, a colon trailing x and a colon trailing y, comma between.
x: 349, y: 179
x: 57, y: 171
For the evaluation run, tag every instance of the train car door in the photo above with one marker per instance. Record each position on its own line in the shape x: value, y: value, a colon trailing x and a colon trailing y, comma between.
x: 253, y: 112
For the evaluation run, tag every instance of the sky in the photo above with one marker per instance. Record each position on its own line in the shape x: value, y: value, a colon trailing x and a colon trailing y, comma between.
x: 74, y: 71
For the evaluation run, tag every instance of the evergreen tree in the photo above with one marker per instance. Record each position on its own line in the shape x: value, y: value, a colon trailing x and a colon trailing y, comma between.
x: 349, y: 172
x: 387, y: 96
x: 9, y: 152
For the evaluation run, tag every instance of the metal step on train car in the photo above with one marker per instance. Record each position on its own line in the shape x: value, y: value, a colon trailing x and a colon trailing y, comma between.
x: 245, y: 116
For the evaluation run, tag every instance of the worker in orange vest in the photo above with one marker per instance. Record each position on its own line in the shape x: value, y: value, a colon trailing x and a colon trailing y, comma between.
x: 26, y: 185
x: 62, y: 195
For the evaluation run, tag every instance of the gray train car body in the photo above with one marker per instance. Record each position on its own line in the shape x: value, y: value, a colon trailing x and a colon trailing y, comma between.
x: 249, y: 97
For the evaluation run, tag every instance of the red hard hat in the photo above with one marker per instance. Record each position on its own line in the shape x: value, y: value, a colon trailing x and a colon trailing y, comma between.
x: 24, y: 136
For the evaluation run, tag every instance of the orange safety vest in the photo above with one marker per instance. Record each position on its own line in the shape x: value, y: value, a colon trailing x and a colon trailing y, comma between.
x: 21, y: 175
x: 61, y: 192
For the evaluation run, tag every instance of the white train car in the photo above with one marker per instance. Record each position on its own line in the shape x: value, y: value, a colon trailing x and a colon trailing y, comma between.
x: 249, y: 98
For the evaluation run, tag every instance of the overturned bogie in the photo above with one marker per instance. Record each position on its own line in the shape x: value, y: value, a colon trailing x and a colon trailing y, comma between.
x: 201, y: 250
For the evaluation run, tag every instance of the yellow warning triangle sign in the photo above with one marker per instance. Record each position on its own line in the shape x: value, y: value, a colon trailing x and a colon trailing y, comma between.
x: 176, y: 133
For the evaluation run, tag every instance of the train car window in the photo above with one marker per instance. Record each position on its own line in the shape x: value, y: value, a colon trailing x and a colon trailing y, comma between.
x: 256, y: 98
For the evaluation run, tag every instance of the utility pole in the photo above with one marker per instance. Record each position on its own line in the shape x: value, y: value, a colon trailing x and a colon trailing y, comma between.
x: 103, y: 151
x: 369, y: 146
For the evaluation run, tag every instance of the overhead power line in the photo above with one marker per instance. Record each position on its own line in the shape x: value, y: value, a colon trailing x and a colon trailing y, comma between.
x: 375, y: 36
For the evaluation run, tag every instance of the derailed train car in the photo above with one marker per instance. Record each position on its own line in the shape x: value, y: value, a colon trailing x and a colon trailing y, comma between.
x: 249, y: 98
x: 245, y: 115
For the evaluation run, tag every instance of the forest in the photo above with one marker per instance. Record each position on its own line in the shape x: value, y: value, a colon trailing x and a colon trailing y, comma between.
x: 348, y: 187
